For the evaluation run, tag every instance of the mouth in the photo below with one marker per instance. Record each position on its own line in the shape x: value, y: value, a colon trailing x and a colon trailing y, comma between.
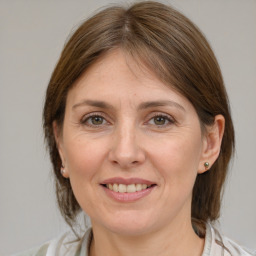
x: 130, y: 188
x: 127, y: 190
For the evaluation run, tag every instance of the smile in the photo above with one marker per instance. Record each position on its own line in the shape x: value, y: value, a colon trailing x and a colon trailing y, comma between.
x: 127, y: 190
x: 131, y: 188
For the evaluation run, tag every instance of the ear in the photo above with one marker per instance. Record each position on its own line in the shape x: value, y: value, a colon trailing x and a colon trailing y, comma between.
x: 212, y: 143
x: 59, y: 143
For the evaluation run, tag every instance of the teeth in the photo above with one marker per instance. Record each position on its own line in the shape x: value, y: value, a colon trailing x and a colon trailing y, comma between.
x: 138, y: 187
x: 122, y: 188
x: 115, y: 187
x: 144, y: 186
x: 131, y: 188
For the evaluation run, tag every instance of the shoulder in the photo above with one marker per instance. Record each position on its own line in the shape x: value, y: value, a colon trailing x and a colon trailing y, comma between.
x: 39, y: 251
x: 66, y: 244
x: 217, y: 244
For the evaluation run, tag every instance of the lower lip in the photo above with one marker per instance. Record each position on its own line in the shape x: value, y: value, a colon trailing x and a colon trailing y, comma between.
x: 128, y: 197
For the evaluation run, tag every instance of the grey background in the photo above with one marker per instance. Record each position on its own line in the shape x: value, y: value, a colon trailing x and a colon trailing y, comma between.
x: 32, y: 36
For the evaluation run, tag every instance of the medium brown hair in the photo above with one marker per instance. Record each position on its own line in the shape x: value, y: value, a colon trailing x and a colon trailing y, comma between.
x: 170, y: 45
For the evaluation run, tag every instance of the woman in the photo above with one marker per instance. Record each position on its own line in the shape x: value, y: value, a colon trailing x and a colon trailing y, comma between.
x: 140, y: 135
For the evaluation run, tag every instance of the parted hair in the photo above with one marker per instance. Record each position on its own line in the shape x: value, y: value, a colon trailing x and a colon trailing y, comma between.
x: 170, y: 45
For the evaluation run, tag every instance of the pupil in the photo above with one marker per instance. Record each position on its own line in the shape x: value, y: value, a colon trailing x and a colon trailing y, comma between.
x: 97, y: 120
x: 159, y: 120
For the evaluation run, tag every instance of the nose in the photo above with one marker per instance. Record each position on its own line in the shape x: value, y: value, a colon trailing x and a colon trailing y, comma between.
x: 126, y: 151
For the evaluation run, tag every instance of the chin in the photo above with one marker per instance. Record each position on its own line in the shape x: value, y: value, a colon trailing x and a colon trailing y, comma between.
x: 130, y: 225
x: 129, y: 230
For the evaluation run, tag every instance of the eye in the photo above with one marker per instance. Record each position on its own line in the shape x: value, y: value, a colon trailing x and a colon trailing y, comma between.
x: 94, y: 120
x: 161, y: 120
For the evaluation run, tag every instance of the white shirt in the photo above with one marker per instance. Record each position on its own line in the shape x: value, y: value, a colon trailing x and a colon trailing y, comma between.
x: 68, y: 245
x: 218, y: 245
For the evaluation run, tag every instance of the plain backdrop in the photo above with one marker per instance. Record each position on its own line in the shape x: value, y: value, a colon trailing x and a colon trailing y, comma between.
x: 32, y: 34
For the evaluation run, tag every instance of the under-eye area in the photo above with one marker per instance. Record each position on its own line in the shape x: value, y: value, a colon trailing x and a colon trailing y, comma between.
x: 131, y: 188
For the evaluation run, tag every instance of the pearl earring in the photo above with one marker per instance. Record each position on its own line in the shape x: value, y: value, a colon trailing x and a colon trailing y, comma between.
x: 62, y: 170
x: 206, y: 165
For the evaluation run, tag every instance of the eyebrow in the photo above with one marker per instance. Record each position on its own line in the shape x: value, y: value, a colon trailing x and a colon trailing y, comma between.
x: 93, y: 103
x: 143, y: 105
x: 160, y: 103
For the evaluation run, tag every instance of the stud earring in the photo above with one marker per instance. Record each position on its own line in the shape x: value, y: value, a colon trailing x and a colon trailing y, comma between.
x: 62, y: 170
x: 206, y: 165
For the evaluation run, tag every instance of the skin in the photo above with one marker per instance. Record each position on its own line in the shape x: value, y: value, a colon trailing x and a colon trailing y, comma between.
x: 123, y: 138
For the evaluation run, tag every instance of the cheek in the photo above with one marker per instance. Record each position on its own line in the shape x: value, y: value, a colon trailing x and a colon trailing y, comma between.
x: 84, y: 159
x: 177, y: 160
x: 84, y: 164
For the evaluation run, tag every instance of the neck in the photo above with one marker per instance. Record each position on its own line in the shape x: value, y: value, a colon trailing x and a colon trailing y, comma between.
x: 173, y: 240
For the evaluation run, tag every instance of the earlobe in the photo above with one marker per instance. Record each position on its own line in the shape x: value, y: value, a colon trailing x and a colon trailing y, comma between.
x: 212, y: 143
x: 63, y: 171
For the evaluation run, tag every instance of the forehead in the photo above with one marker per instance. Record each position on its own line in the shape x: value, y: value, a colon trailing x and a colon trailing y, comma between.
x: 117, y: 75
x: 117, y: 64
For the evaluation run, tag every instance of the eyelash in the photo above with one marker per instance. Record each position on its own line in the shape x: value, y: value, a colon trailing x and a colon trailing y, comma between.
x: 167, y: 118
x: 85, y: 120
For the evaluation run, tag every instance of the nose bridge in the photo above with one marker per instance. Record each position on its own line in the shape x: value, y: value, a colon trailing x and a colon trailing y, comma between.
x: 125, y: 149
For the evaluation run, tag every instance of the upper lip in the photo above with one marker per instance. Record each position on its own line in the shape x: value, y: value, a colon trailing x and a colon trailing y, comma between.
x: 126, y: 181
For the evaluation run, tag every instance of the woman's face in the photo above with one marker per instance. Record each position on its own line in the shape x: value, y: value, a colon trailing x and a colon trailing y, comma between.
x: 124, y: 130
